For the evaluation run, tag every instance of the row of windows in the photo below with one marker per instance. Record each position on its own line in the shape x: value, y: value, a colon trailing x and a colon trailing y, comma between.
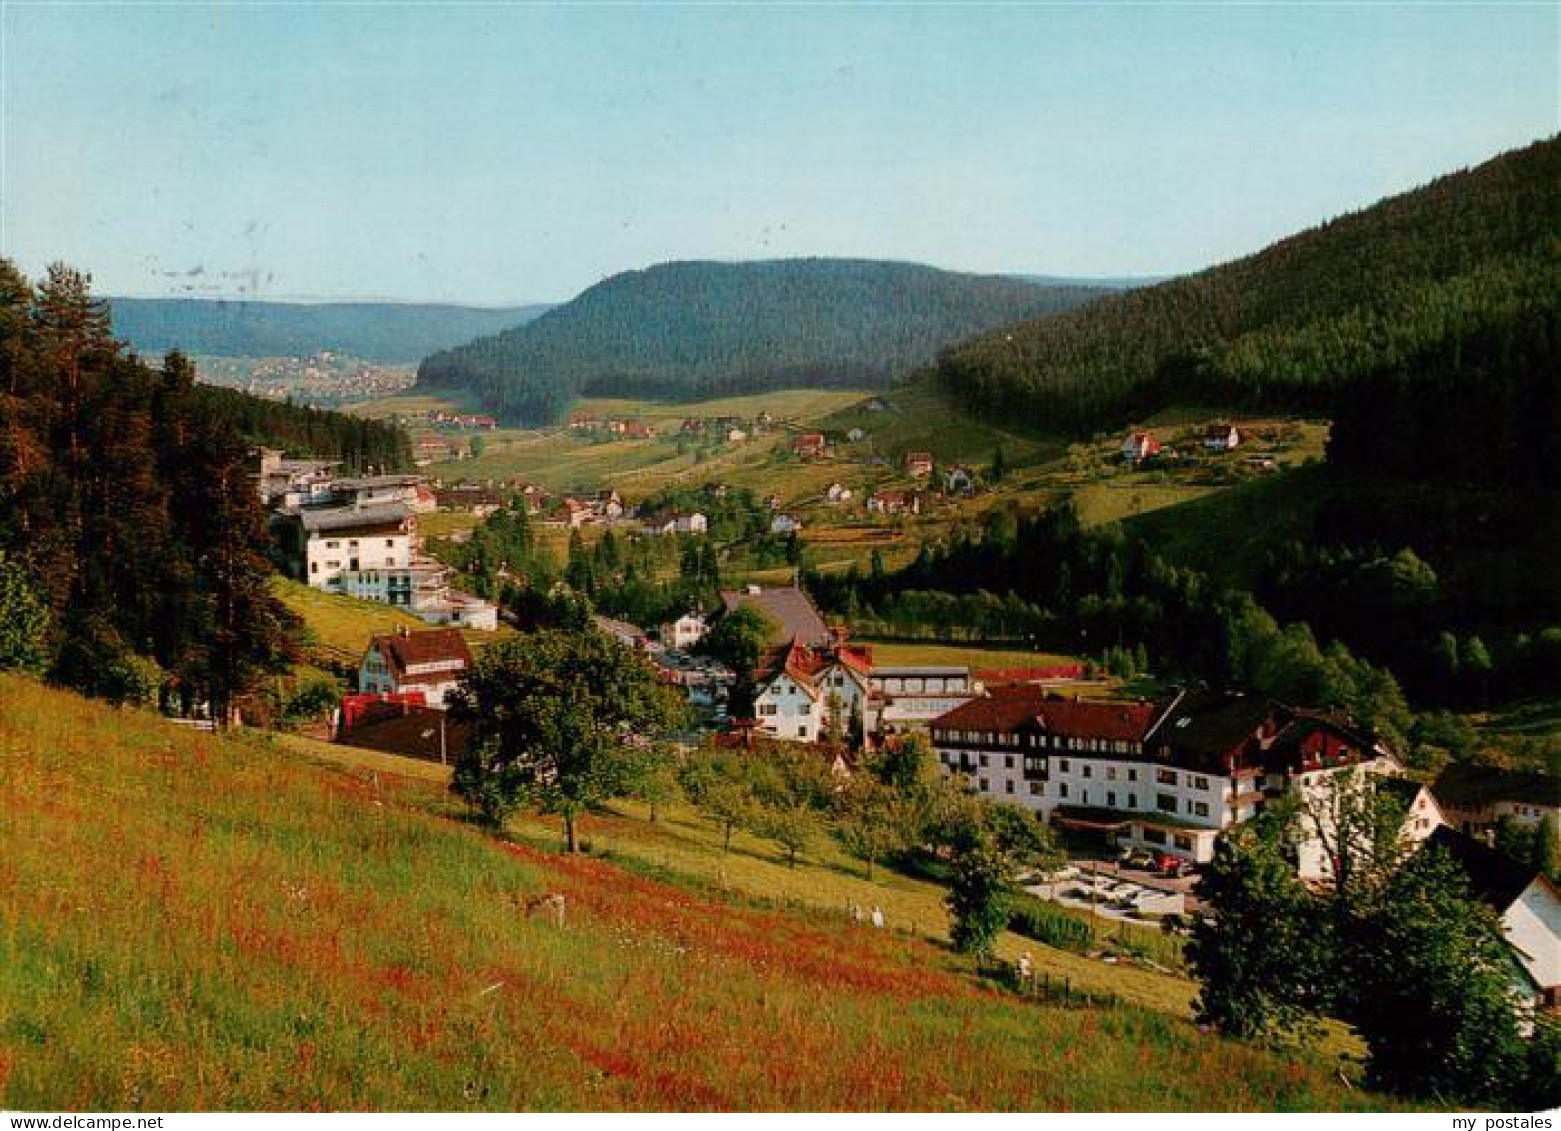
x: 352, y: 543
x: 1040, y: 742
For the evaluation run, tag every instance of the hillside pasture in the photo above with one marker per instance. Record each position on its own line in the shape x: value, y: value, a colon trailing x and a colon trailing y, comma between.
x: 193, y: 922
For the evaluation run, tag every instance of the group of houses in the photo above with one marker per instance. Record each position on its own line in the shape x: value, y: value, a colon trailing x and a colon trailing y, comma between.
x: 619, y: 428
x: 1142, y: 446
x: 357, y: 535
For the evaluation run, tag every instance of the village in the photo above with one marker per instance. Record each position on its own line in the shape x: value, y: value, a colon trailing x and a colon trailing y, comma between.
x: 1141, y: 789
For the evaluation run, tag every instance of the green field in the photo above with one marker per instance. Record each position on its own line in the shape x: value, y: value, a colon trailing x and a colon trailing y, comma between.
x: 191, y: 922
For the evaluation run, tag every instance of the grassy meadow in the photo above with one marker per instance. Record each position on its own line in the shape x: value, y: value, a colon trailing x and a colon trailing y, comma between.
x: 197, y: 922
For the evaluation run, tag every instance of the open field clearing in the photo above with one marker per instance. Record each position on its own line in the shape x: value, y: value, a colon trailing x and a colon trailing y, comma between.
x: 192, y: 922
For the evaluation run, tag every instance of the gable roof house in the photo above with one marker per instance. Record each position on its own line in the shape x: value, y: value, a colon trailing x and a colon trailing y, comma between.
x: 894, y: 502
x: 1221, y: 437
x: 1529, y: 906
x: 798, y: 688
x: 431, y: 661
x: 918, y: 464
x: 1139, y: 446
x: 1476, y: 797
x: 808, y: 444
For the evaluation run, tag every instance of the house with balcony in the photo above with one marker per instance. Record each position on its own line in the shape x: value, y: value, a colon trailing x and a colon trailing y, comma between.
x: 432, y: 661
x: 800, y: 691
x: 1168, y: 777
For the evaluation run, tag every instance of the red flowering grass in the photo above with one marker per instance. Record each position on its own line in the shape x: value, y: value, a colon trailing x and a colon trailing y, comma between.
x: 191, y: 922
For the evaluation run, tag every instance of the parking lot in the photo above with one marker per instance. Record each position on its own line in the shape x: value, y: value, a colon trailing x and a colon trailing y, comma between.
x: 1116, y: 891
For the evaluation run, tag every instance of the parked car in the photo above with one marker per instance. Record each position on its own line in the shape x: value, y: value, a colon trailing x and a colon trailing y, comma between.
x: 1136, y: 858
x: 1172, y: 866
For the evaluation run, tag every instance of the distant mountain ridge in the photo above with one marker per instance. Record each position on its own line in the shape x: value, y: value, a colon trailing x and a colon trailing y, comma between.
x: 1292, y: 324
x: 695, y: 329
x: 397, y: 333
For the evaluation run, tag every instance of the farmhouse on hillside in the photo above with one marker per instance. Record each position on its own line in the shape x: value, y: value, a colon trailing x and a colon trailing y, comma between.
x: 1139, y: 446
x: 431, y: 661
x: 918, y: 465
x: 1221, y: 437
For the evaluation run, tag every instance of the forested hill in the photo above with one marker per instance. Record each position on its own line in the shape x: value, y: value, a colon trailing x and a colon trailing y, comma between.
x: 696, y: 329
x: 1288, y: 326
x: 390, y: 332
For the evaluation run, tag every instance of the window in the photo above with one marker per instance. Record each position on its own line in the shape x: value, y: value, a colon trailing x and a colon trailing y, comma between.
x: 1200, y: 783
x: 1132, y: 801
x: 1132, y: 775
x: 1008, y: 761
x: 1062, y: 765
x: 1166, y: 777
x: 1008, y: 787
x: 1062, y: 789
x: 1201, y: 808
x: 1087, y: 771
x: 802, y: 732
x: 983, y: 786
x: 1036, y: 788
x: 1111, y: 800
x: 1085, y: 799
x: 985, y: 761
x: 390, y: 541
x: 1154, y: 836
x: 1111, y: 773
x: 1184, y: 843
x: 805, y: 709
x: 314, y: 567
x: 1165, y: 802
x: 332, y: 545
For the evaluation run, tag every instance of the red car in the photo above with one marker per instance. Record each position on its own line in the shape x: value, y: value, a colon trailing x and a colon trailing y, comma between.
x: 1168, y: 865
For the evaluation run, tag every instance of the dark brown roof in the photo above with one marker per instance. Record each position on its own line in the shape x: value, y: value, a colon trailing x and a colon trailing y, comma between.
x: 1495, y: 878
x: 430, y: 646
x: 1001, y: 709
x: 1468, y: 785
x: 1206, y: 730
x: 1097, y: 718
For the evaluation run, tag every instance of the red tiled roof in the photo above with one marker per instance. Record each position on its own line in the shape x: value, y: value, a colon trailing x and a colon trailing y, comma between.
x: 1007, y: 708
x: 1091, y: 718
x: 1002, y: 709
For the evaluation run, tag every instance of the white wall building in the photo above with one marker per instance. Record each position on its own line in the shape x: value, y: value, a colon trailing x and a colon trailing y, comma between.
x: 432, y: 661
x: 796, y: 688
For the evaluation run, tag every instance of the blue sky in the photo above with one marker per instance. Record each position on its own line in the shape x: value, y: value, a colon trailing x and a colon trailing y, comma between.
x: 502, y: 153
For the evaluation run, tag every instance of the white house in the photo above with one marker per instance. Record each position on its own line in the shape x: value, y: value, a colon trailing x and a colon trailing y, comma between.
x: 683, y: 633
x: 1476, y: 797
x: 368, y: 490
x: 1529, y: 906
x: 323, y: 543
x: 797, y: 689
x: 431, y: 661
x: 909, y: 697
x: 837, y: 493
x: 294, y: 482
x: 785, y: 524
x: 1221, y: 437
x: 1139, y: 446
